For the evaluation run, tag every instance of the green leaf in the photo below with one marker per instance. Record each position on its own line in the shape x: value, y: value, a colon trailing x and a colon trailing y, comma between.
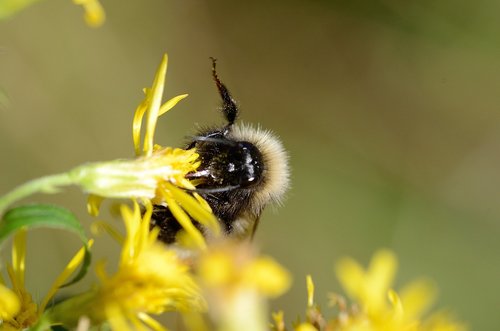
x: 45, y: 216
x: 40, y: 216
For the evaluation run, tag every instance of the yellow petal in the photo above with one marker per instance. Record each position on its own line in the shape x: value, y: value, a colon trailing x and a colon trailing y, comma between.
x: 171, y: 104
x: 137, y: 121
x: 378, y: 280
x: 19, y: 258
x: 217, y: 268
x: 351, y: 276
x: 9, y: 303
x: 154, y: 106
x: 98, y: 226
x: 417, y: 297
x: 185, y: 222
x: 202, y: 202
x: 116, y: 318
x: 396, y: 304
x: 94, y: 13
x: 194, y: 208
x: 93, y: 204
x: 135, y: 238
x: 100, y: 271
x: 381, y: 271
x: 145, y: 222
x: 268, y: 277
x: 63, y: 276
x: 310, y: 291
x: 279, y: 320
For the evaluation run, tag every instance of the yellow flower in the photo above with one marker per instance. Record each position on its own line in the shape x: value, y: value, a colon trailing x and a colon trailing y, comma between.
x: 237, y: 284
x: 380, y: 307
x: 138, y: 178
x: 94, y: 13
x: 369, y: 287
x: 159, y: 178
x: 150, y: 279
x: 376, y: 306
x: 18, y: 310
x: 158, y: 173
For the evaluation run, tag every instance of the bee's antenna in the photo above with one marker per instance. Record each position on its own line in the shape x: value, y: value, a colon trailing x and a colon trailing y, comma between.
x: 197, y: 175
x: 216, y: 189
x: 224, y: 141
x: 229, y: 107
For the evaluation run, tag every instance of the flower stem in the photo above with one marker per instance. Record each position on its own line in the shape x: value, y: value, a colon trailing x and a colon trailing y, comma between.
x: 47, y: 184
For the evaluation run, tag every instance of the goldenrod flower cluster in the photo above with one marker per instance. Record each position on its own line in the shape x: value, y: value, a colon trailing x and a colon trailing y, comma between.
x: 223, y: 285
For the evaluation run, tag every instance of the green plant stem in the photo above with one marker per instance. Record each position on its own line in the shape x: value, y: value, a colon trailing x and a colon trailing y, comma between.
x: 47, y: 184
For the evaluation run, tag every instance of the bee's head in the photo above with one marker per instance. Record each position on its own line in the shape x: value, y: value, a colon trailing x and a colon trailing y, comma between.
x: 240, y: 157
x: 228, y: 164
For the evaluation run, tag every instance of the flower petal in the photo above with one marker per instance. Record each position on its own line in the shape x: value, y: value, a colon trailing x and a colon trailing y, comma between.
x: 268, y: 277
x: 417, y: 297
x: 186, y: 223
x: 378, y: 280
x: 171, y: 104
x: 381, y: 272
x: 351, y: 277
x: 19, y: 259
x: 137, y: 121
x: 94, y: 12
x: 154, y: 106
x: 9, y: 303
x: 310, y: 291
x: 63, y: 276
x: 198, y: 211
x: 93, y: 204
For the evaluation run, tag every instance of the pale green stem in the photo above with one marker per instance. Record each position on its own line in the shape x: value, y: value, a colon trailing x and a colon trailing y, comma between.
x: 47, y: 184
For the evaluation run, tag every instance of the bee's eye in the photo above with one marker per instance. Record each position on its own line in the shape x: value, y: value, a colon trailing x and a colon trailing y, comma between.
x: 250, y: 164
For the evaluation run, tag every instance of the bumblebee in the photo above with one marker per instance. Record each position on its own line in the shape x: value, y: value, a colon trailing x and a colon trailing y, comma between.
x: 243, y: 169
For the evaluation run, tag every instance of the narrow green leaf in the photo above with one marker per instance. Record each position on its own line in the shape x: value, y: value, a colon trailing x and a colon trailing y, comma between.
x: 45, y: 216
x: 40, y: 216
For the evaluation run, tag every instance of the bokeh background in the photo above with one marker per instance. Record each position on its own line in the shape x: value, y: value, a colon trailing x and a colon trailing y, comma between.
x: 389, y: 109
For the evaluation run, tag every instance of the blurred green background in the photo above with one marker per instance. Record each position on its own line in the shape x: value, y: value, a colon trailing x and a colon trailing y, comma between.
x: 389, y: 109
